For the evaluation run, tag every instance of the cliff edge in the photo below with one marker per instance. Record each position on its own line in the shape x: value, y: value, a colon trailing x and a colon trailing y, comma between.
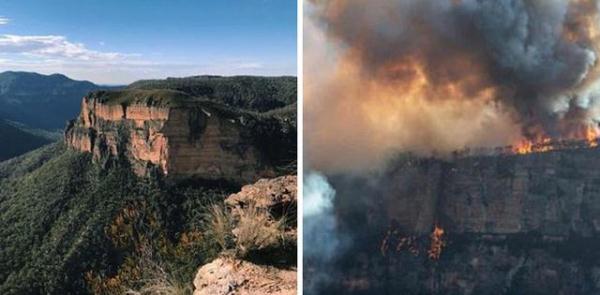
x: 180, y: 135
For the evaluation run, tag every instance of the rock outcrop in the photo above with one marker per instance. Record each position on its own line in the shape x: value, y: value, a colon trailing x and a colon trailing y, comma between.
x: 512, y: 224
x: 276, y: 197
x: 226, y: 276
x: 268, y: 194
x: 267, y: 201
x: 180, y: 135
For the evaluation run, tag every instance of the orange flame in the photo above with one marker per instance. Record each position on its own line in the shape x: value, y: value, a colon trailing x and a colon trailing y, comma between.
x: 437, y: 243
x: 541, y: 145
x: 523, y: 147
x: 591, y: 136
x: 585, y: 137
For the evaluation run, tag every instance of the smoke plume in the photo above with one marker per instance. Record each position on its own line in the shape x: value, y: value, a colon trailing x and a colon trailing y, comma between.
x: 320, y: 233
x: 438, y: 75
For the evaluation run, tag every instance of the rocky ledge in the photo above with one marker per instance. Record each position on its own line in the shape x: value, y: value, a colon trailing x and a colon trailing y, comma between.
x: 244, y: 274
x: 180, y: 135
x: 231, y: 276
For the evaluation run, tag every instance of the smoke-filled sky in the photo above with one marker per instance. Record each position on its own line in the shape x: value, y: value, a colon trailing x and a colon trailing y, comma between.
x: 387, y: 76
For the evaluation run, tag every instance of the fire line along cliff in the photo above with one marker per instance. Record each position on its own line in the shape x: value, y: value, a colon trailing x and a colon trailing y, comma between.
x: 179, y: 134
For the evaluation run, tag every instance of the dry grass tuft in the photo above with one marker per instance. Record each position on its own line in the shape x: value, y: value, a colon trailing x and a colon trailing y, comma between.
x: 257, y: 230
x: 244, y: 230
x: 219, y: 224
x: 156, y: 280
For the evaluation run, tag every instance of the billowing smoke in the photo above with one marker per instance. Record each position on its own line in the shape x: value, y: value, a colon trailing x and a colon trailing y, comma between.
x: 320, y: 235
x: 438, y: 75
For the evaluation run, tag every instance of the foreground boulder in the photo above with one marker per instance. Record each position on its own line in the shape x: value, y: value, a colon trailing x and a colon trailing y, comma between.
x: 263, y: 227
x: 264, y: 214
x: 226, y: 276
x: 278, y: 196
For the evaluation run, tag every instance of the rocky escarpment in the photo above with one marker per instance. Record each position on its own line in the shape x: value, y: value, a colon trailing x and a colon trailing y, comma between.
x: 556, y: 194
x: 512, y: 224
x: 180, y: 135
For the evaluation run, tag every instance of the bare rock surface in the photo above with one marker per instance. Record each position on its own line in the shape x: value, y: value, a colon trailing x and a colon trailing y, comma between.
x: 267, y: 193
x: 178, y: 134
x: 227, y: 276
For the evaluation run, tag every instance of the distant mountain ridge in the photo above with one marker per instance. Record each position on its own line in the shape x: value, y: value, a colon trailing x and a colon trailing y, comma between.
x: 42, y: 101
x: 15, y: 140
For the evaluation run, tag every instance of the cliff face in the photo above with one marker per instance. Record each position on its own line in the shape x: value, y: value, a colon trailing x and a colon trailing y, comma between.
x: 512, y: 224
x: 187, y: 138
x: 555, y: 194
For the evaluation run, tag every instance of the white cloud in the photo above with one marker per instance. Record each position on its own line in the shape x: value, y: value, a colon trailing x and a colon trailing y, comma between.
x: 51, y: 46
x: 57, y: 54
x: 250, y: 65
x: 4, y: 20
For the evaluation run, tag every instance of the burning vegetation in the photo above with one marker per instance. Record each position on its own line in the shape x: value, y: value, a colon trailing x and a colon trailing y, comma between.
x: 394, y: 241
x: 587, y: 138
x: 437, y: 243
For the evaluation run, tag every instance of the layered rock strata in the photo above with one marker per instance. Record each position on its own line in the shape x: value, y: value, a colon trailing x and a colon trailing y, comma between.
x: 556, y: 194
x: 512, y: 224
x: 177, y: 134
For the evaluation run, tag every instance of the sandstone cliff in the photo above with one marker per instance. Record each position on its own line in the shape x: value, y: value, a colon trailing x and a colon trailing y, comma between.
x: 180, y: 135
x: 511, y: 224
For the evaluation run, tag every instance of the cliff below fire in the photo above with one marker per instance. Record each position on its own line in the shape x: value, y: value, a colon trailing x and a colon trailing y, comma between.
x: 504, y: 224
x: 554, y: 194
x: 179, y: 135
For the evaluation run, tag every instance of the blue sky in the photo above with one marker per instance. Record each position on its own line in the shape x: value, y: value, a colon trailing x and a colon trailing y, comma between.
x: 120, y: 41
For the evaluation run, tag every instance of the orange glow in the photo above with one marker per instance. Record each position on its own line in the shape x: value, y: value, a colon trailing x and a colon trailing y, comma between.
x: 591, y: 136
x: 545, y: 144
x: 586, y: 137
x: 523, y: 147
x: 437, y: 243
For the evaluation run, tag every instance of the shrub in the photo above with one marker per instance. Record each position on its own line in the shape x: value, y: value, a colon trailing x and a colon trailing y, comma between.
x: 256, y: 230
x: 156, y: 280
x: 218, y: 226
x: 244, y: 230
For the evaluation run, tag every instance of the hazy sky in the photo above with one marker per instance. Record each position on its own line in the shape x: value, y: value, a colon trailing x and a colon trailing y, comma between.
x: 117, y: 41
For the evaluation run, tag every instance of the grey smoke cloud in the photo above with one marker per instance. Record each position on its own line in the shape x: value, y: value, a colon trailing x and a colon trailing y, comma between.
x: 517, y: 46
x: 535, y: 62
